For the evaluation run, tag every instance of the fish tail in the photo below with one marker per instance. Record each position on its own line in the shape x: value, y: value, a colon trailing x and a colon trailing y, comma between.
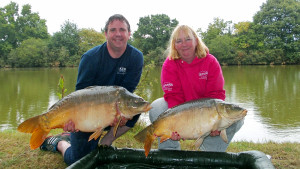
x: 142, y: 135
x: 37, y: 138
x: 30, y: 125
x: 38, y: 134
x: 148, y: 143
x: 147, y: 137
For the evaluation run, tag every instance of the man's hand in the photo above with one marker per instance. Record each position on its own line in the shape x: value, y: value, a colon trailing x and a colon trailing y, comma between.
x: 70, y: 126
x: 215, y: 133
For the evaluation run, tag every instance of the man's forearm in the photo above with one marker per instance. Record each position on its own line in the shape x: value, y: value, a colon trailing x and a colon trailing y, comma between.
x: 109, y: 137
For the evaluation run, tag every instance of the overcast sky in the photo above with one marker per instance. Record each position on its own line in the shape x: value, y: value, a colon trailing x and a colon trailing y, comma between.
x: 94, y: 13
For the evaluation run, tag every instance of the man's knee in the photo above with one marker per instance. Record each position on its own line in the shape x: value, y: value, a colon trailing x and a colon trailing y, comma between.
x: 68, y: 157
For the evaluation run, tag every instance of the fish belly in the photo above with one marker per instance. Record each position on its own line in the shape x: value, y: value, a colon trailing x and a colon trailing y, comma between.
x: 190, y: 124
x: 92, y: 118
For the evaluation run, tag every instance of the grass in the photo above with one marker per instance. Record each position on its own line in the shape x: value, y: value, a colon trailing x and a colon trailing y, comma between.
x: 15, y: 151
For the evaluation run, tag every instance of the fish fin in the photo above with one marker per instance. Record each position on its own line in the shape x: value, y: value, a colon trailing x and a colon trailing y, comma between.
x: 164, y: 138
x: 96, y: 134
x: 59, y: 126
x: 116, y: 127
x: 146, y: 136
x: 38, y: 137
x: 89, y: 87
x: 217, y: 124
x: 198, y: 142
x: 148, y: 143
x: 224, y: 135
x: 118, y: 115
x: 142, y: 135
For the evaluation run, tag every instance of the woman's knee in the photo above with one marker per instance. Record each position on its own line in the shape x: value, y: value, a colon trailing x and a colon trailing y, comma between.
x: 158, y: 107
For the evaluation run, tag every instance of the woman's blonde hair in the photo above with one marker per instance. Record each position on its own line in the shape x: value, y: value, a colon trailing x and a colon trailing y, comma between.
x: 201, y: 49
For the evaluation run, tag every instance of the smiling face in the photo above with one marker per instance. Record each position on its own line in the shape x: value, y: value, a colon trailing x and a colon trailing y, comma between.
x: 185, y: 44
x: 117, y: 36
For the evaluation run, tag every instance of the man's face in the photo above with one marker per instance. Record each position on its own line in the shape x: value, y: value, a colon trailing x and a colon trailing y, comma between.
x: 117, y: 35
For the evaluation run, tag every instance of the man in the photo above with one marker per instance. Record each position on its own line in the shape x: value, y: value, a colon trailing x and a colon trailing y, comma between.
x: 115, y: 62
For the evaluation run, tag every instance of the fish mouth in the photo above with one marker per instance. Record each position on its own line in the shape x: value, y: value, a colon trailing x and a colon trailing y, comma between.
x: 244, y: 113
x: 148, y: 107
x: 237, y: 117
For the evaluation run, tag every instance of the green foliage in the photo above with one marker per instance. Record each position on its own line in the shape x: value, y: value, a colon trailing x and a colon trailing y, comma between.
x: 272, y: 38
x: 145, y: 81
x: 30, y: 25
x: 156, y: 56
x: 31, y: 53
x: 219, y: 27
x: 274, y: 56
x: 15, y: 29
x: 222, y: 48
x: 153, y: 31
x: 89, y: 38
x: 69, y: 37
x: 219, y: 40
x: 64, y: 45
x: 278, y: 22
x: 245, y: 37
x: 7, y: 29
x: 61, y: 87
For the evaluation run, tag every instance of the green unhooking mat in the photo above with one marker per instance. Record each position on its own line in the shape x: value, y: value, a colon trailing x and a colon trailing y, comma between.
x: 110, y: 157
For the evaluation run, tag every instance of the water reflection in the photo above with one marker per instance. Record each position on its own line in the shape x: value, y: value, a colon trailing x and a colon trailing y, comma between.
x: 25, y: 93
x: 266, y: 92
x: 270, y: 94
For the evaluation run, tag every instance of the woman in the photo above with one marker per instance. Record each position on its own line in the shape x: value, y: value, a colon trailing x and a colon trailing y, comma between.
x: 190, y: 73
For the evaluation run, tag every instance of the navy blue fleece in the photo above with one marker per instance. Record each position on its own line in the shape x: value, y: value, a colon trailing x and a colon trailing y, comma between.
x: 97, y: 67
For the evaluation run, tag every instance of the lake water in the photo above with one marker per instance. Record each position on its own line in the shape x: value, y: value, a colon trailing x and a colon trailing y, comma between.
x: 270, y: 93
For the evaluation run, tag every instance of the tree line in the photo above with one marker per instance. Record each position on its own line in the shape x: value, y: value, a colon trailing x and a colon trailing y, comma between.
x: 272, y: 38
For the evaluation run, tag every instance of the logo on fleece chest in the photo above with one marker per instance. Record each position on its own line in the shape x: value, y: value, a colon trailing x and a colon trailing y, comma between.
x: 121, y: 71
x: 167, y: 86
x: 203, y: 75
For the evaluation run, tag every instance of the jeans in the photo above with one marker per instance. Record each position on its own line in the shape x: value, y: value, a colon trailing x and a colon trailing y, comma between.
x: 80, y: 146
x: 210, y: 143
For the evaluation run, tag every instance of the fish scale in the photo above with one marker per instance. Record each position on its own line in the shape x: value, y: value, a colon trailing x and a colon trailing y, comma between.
x: 91, y: 109
x: 193, y: 120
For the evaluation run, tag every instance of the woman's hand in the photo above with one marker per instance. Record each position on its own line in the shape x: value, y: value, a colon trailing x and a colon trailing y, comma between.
x: 175, y: 136
x: 215, y: 133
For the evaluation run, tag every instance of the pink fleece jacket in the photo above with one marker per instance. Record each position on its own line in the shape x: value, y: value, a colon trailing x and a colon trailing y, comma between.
x: 182, y: 82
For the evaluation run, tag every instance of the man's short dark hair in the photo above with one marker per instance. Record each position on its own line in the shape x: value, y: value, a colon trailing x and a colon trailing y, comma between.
x: 117, y: 17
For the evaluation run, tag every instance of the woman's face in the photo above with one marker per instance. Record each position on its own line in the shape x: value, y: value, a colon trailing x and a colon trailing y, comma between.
x: 185, y: 46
